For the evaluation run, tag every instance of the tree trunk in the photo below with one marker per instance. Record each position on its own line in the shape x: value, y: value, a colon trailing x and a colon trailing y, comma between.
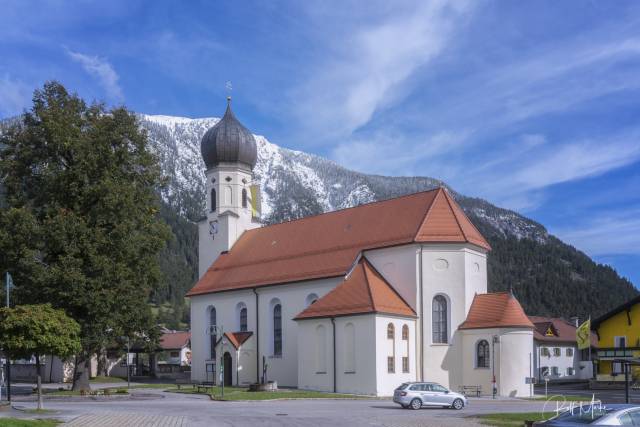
x: 39, y: 379
x: 81, y: 373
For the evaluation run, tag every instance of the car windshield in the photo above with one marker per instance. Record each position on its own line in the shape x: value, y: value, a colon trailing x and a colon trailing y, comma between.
x: 403, y: 386
x: 438, y: 387
x: 584, y: 414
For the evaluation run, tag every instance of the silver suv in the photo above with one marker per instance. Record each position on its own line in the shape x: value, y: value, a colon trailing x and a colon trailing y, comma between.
x: 417, y: 395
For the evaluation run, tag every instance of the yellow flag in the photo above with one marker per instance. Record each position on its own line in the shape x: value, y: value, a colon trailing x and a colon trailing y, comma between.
x: 255, y: 201
x: 583, y: 335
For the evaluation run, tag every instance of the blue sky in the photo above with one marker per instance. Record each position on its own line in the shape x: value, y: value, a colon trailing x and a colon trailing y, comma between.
x: 531, y: 105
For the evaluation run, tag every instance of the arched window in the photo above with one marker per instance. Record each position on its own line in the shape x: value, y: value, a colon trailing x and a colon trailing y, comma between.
x: 391, y: 331
x: 241, y: 316
x: 277, y: 330
x: 310, y: 299
x: 405, y: 358
x: 244, y: 197
x: 321, y: 350
x: 482, y: 354
x: 439, y: 319
x: 213, y: 336
x: 213, y: 200
x: 349, y: 348
x: 391, y: 360
x: 228, y: 200
x: 243, y: 319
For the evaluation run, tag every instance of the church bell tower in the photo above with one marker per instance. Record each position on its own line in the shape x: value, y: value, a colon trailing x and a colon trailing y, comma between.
x: 230, y: 153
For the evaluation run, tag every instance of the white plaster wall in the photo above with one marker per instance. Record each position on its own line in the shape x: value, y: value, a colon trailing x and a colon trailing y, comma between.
x: 363, y: 379
x: 225, y: 304
x: 443, y: 273
x: 514, y: 350
x: 399, y: 266
x: 293, y: 296
x: 308, y: 376
x: 472, y: 375
x: 476, y: 275
x: 387, y: 382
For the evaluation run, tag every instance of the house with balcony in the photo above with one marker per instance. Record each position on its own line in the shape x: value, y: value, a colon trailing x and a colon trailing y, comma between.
x: 618, y: 333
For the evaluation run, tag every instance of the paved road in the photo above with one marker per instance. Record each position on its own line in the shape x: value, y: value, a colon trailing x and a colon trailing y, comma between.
x: 197, y: 410
x: 581, y: 389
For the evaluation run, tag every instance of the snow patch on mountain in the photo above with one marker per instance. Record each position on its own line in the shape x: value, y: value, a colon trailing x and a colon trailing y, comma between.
x: 294, y: 183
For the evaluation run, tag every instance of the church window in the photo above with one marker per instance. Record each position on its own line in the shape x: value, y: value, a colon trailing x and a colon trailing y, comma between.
x: 482, y: 354
x: 277, y: 330
x: 391, y: 364
x: 212, y: 332
x: 439, y: 319
x: 349, y: 348
x: 391, y: 331
x: 321, y: 350
x: 244, y: 197
x: 311, y: 298
x: 243, y: 319
x: 405, y: 338
x: 213, y: 200
x: 228, y: 200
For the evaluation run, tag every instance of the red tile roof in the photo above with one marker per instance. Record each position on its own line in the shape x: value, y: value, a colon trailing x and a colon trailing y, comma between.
x: 174, y: 340
x: 326, y: 245
x: 495, y: 310
x: 237, y: 338
x: 564, y: 331
x: 364, y: 290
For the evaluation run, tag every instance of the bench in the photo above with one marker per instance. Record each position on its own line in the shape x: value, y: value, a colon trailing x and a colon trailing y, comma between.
x: 184, y: 381
x: 205, y: 385
x: 468, y: 390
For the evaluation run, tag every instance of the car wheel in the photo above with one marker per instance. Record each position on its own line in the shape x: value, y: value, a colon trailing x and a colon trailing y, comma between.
x: 458, y: 404
x: 415, y: 404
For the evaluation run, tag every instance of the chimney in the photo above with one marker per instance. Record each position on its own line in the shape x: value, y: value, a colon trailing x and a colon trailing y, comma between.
x: 575, y: 320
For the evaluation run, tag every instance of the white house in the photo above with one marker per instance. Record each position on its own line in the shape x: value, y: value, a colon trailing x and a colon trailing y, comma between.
x: 556, y: 353
x: 357, y: 300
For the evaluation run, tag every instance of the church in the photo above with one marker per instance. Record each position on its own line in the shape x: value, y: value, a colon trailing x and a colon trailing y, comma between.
x: 357, y: 300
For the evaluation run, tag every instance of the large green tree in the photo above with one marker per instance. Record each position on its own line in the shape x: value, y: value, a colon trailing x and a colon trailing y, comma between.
x: 38, y: 330
x: 81, y: 228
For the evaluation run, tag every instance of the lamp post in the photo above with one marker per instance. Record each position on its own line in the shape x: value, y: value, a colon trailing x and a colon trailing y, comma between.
x: 127, y: 362
x: 8, y: 284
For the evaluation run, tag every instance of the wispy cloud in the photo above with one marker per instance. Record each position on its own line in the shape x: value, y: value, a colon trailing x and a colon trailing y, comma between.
x: 371, y: 64
x: 15, y: 96
x: 610, y: 233
x: 102, y: 71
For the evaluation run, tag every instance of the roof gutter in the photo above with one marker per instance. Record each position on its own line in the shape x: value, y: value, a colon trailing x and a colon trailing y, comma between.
x: 335, y: 368
x: 257, y: 337
x: 421, y: 318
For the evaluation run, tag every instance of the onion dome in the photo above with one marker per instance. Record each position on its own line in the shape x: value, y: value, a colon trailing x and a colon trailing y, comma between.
x: 229, y: 142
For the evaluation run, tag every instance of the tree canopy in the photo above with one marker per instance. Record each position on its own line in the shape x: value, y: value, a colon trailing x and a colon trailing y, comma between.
x: 81, y: 228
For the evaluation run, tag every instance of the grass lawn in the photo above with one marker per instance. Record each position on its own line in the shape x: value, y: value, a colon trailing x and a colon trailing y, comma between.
x: 515, y: 419
x: 239, y: 393
x: 14, y: 422
x: 101, y: 379
x: 562, y: 398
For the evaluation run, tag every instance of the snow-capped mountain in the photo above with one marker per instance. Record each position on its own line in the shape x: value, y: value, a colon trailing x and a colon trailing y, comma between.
x: 296, y: 184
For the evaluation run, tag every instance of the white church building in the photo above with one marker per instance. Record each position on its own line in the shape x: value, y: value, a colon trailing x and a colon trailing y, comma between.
x: 354, y: 301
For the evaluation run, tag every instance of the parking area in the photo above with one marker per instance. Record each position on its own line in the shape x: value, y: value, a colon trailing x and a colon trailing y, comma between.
x: 198, y: 410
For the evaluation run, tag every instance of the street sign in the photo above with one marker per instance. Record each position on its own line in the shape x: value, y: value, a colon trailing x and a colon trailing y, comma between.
x: 530, y: 380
